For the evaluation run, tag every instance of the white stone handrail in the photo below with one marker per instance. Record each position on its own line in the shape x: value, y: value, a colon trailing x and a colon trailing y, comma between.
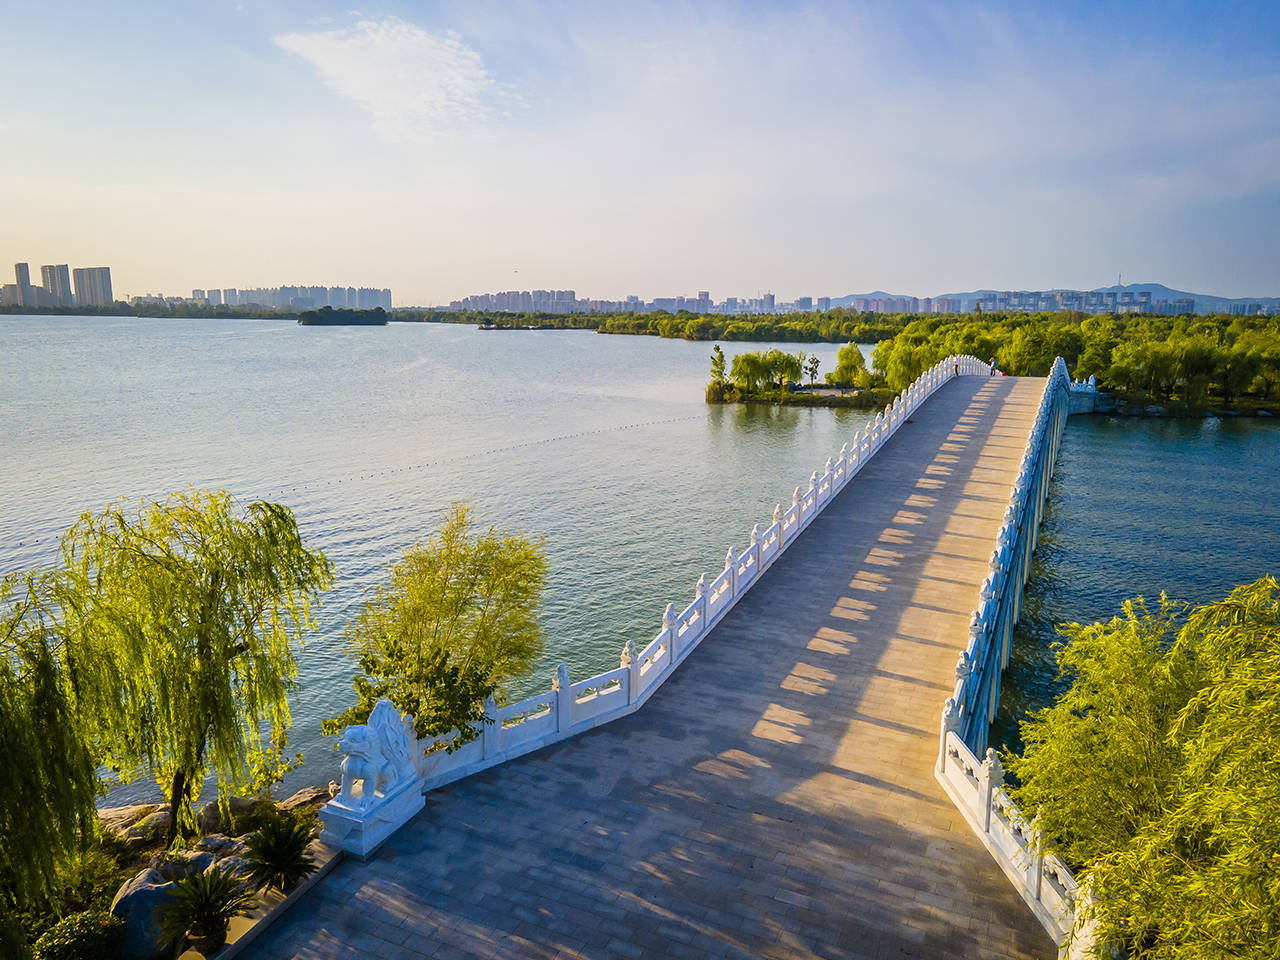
x: 570, y: 708
x: 974, y: 786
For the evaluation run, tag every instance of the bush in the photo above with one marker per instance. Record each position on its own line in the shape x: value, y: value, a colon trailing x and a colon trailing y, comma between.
x: 93, y: 935
x: 278, y: 855
x: 201, y: 907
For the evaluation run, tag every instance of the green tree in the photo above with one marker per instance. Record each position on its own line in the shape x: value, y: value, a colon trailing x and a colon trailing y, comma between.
x: 811, y: 368
x: 179, y: 624
x: 749, y: 371
x: 717, y: 364
x: 1155, y: 776
x: 47, y: 795
x: 850, y: 365
x: 456, y: 622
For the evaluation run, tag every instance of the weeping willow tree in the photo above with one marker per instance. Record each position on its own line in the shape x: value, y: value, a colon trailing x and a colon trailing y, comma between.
x: 1157, y: 776
x: 48, y: 787
x: 179, y: 622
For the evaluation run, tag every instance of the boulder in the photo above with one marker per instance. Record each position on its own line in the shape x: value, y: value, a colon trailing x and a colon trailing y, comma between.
x: 1265, y: 413
x: 210, y: 817
x: 182, y: 864
x: 1155, y: 410
x: 150, y: 828
x: 120, y: 819
x: 308, y: 796
x: 135, y: 903
x: 237, y: 865
x: 220, y: 845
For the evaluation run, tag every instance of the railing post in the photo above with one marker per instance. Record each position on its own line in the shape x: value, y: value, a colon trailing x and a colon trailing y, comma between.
x: 950, y: 724
x: 669, y: 626
x: 633, y: 675
x: 795, y: 502
x: 992, y: 778
x: 490, y: 730
x: 733, y: 572
x: 564, y: 698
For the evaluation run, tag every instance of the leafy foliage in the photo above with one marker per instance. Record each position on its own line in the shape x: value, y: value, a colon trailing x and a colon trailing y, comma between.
x: 202, y: 904
x: 851, y: 368
x: 92, y: 935
x: 180, y: 622
x: 1157, y: 775
x: 456, y: 622
x: 278, y: 855
x: 46, y: 798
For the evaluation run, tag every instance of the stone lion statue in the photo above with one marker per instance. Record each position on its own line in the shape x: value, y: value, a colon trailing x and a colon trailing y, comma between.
x: 379, y: 756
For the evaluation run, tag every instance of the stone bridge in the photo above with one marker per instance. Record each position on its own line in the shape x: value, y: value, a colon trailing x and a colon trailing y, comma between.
x: 776, y: 795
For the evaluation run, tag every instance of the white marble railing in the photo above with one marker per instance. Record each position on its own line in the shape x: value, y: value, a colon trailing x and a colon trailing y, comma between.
x: 570, y: 708
x: 974, y: 785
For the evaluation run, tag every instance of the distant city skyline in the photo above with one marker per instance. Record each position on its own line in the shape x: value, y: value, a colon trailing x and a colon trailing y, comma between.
x: 451, y: 147
x: 1172, y: 302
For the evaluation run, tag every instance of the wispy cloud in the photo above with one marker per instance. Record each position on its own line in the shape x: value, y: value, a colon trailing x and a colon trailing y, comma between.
x: 412, y: 82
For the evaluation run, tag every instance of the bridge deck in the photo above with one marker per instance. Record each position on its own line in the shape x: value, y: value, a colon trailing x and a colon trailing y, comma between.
x: 775, y: 798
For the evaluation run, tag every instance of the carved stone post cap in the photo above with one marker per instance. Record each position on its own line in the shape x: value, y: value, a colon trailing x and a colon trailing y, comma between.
x: 700, y: 589
x: 668, y: 617
x: 950, y: 716
x: 777, y: 514
x: 728, y: 559
x: 624, y: 659
x: 963, y: 667
x: 755, y: 533
x: 992, y: 767
x: 795, y: 496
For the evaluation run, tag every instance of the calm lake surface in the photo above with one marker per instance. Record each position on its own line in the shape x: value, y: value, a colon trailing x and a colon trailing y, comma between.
x: 602, y: 444
x: 1136, y: 507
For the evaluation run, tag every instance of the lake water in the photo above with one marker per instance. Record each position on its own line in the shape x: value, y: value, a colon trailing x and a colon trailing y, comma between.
x: 603, y: 444
x: 1136, y: 507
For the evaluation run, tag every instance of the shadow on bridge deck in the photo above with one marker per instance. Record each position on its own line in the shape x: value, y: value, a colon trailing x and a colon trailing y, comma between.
x: 775, y: 798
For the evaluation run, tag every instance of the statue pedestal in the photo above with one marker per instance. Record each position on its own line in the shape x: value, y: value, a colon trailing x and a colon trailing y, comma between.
x: 361, y: 830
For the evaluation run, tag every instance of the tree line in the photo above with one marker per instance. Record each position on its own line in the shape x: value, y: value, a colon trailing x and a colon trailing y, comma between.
x: 771, y: 377
x: 1189, y: 359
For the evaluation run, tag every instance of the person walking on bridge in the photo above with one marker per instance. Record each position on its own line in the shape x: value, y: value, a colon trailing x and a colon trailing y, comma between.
x: 992, y: 364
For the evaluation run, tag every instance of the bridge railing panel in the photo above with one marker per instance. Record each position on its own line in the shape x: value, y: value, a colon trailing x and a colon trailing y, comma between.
x: 1042, y: 880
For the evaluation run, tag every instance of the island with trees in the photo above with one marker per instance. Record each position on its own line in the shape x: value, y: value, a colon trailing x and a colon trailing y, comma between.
x: 777, y: 377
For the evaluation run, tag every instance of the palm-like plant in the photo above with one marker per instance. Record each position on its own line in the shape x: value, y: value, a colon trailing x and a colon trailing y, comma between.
x: 202, y: 905
x: 278, y: 855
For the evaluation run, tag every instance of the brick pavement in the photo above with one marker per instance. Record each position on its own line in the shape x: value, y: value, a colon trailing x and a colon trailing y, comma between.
x: 775, y: 797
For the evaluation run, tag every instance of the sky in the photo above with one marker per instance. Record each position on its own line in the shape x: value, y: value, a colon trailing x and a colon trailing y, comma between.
x: 655, y: 149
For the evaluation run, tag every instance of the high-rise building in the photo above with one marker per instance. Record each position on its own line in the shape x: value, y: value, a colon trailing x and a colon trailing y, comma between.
x: 198, y: 294
x: 93, y: 286
x: 22, y: 272
x: 214, y: 296
x: 231, y: 297
x: 768, y: 303
x: 804, y: 303
x: 56, y: 280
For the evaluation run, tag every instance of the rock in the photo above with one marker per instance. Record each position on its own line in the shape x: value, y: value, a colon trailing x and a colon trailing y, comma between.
x: 335, y: 788
x: 237, y: 865
x: 308, y: 796
x: 136, y: 903
x: 220, y: 845
x: 184, y: 863
x: 210, y: 817
x: 1265, y: 413
x: 151, y: 827
x: 1155, y: 410
x: 119, y: 819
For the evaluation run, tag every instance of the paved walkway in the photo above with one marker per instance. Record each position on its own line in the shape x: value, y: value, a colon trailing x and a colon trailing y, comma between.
x: 776, y: 796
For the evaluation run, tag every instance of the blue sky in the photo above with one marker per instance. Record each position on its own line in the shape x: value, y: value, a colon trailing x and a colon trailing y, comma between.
x: 821, y: 149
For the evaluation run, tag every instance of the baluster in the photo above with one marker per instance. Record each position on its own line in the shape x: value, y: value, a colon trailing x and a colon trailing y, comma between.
x: 950, y: 724
x: 625, y: 661
x: 564, y: 698
x: 490, y: 730
x: 992, y: 778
